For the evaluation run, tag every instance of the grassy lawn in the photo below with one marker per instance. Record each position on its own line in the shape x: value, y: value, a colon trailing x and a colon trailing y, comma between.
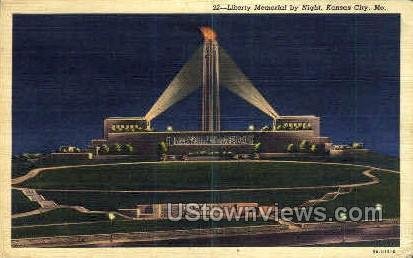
x: 21, y: 166
x: 58, y: 216
x: 373, y: 159
x: 387, y: 193
x: 20, y: 203
x: 114, y: 201
x: 370, y: 158
x: 124, y: 226
x: 208, y: 175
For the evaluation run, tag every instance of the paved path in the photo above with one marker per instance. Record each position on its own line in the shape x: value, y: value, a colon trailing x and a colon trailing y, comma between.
x: 62, y: 224
x: 328, y: 196
x: 343, y: 189
x: 34, y: 172
x: 273, y: 235
x: 32, y: 195
x: 46, y: 205
x: 30, y: 213
x: 36, y: 197
x: 374, y: 180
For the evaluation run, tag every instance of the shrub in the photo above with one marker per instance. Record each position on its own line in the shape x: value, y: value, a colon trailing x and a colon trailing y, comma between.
x: 357, y: 145
x: 291, y: 148
x: 163, y: 148
x: 128, y: 148
x: 116, y: 148
x: 104, y: 149
x: 257, y: 147
x: 314, y: 148
x: 304, y: 145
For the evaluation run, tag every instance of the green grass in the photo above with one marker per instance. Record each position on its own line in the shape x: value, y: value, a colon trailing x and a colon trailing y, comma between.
x: 114, y: 201
x: 124, y: 226
x: 386, y: 193
x: 208, y: 175
x: 62, y: 215
x: 369, y: 158
x: 20, y: 167
x: 20, y: 203
x: 373, y: 159
x: 190, y: 176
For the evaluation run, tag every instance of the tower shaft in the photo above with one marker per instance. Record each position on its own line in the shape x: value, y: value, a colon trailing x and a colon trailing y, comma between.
x: 210, y: 87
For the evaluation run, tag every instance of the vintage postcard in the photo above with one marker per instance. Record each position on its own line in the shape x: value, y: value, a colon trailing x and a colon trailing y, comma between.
x: 203, y: 129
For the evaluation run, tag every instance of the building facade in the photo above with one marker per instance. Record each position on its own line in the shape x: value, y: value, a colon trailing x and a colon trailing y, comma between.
x: 146, y: 143
x: 141, y: 140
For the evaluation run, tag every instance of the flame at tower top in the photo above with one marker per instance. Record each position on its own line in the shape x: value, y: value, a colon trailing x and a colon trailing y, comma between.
x: 208, y: 33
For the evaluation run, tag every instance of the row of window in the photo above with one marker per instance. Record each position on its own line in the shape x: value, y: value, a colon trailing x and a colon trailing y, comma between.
x: 294, y: 126
x: 129, y: 127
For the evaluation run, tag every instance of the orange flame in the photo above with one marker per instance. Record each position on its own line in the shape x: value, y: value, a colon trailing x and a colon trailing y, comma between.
x: 208, y: 33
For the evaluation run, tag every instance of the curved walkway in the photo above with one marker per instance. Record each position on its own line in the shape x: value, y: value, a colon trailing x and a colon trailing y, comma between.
x: 343, y: 189
x: 34, y: 172
x: 373, y: 180
x: 51, y: 205
x: 326, y: 197
x: 32, y: 212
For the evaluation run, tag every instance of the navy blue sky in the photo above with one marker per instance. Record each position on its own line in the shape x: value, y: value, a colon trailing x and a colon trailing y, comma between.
x: 72, y: 71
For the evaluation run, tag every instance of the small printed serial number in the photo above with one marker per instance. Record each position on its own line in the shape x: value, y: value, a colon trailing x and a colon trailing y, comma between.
x: 384, y: 251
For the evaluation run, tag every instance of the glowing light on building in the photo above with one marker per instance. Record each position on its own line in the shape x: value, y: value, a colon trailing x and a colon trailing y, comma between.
x: 211, y: 67
x: 185, y: 82
x: 208, y: 33
x: 211, y: 116
x: 236, y: 81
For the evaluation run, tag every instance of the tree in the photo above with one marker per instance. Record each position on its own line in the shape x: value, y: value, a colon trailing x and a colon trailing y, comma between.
x: 116, y: 148
x: 304, y: 145
x: 291, y: 147
x: 314, y: 148
x: 128, y: 148
x: 257, y: 147
x: 357, y: 145
x: 104, y: 149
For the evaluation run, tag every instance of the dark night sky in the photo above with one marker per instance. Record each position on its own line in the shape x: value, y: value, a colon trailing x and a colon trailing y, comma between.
x: 72, y: 71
